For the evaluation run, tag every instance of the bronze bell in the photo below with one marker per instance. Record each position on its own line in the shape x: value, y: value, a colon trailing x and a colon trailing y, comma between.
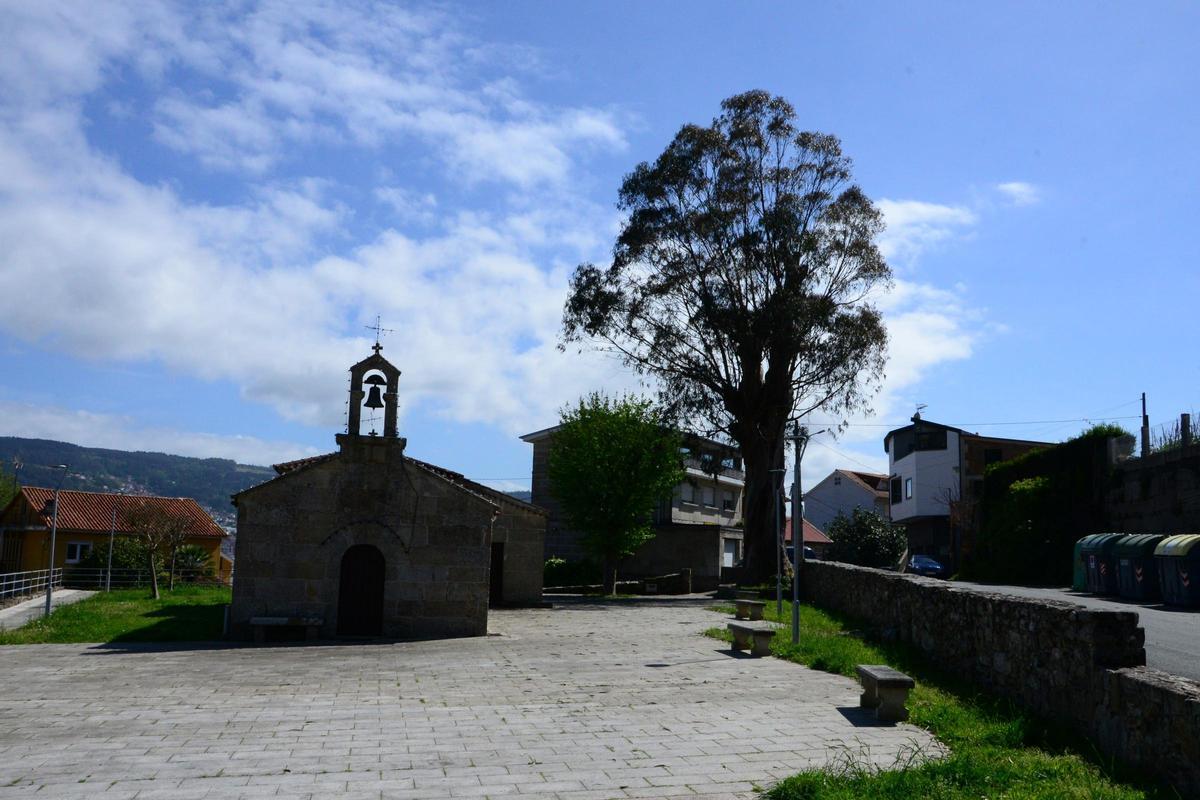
x: 374, y: 397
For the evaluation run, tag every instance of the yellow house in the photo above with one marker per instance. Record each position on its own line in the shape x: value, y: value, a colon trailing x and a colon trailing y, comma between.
x: 84, y: 522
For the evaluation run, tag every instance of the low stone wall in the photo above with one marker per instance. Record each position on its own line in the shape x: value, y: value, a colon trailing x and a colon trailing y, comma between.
x: 1062, y: 661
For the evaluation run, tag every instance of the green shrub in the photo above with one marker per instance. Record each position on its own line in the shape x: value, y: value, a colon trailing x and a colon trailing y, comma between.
x: 193, y: 562
x: 866, y: 539
x: 128, y: 553
x: 559, y: 572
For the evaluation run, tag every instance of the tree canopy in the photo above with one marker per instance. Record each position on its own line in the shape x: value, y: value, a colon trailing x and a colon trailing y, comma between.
x: 611, y: 463
x: 742, y: 280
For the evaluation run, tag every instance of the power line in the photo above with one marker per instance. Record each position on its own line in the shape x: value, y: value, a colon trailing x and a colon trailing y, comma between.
x: 973, y: 424
x: 844, y: 455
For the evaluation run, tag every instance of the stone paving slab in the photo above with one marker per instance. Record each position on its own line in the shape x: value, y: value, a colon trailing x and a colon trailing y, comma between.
x: 587, y: 700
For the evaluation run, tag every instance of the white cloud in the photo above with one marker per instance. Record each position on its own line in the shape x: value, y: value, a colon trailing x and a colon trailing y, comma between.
x: 120, y: 432
x: 102, y: 265
x: 914, y: 226
x: 1019, y: 193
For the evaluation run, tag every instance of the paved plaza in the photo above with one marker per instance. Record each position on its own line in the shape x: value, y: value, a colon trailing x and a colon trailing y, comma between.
x: 586, y: 700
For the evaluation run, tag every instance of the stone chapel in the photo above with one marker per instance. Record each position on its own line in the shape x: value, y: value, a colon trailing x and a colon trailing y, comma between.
x: 369, y: 542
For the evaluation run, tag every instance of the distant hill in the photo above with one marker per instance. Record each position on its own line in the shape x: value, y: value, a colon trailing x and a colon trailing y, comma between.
x: 527, y: 496
x: 209, y: 481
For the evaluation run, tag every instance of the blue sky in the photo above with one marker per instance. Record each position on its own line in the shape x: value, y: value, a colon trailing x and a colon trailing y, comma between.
x: 201, y: 207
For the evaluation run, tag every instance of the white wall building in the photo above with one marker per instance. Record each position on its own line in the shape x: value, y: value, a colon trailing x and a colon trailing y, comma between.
x: 841, y: 492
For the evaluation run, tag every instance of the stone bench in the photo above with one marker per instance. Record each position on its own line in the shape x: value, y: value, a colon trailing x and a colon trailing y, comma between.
x: 311, y: 625
x: 885, y: 690
x: 749, y: 609
x: 747, y: 594
x: 744, y: 634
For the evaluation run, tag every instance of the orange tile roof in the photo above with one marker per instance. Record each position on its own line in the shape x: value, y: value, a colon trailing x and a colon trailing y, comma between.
x: 93, y: 511
x: 812, y: 534
x: 871, y: 480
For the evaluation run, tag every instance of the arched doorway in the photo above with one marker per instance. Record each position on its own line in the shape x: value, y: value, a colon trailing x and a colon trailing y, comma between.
x: 360, y: 592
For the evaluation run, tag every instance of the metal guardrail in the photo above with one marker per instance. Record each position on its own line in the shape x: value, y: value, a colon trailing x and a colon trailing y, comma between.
x: 100, y: 578
x: 15, y: 584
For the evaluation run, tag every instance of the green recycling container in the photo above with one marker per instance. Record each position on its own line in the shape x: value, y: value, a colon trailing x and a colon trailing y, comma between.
x: 1100, y: 568
x: 1137, y: 571
x: 1078, y: 568
x: 1178, y: 562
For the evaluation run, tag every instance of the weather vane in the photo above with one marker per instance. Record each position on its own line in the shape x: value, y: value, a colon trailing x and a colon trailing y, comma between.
x: 379, y: 331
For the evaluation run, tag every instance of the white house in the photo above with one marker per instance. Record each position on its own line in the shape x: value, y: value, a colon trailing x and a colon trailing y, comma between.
x: 935, y: 469
x: 841, y: 492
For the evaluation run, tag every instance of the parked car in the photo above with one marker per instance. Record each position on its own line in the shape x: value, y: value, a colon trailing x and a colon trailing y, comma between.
x: 924, y: 565
x: 809, y: 553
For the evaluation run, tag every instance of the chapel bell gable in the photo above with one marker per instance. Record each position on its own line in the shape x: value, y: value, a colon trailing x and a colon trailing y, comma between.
x: 381, y: 392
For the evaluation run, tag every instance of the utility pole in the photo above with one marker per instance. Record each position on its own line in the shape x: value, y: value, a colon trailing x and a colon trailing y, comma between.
x: 776, y: 490
x: 799, y: 441
x: 1145, y: 429
x: 112, y: 531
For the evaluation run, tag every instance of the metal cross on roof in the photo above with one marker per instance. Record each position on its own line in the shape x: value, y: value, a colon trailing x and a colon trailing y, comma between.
x: 379, y: 331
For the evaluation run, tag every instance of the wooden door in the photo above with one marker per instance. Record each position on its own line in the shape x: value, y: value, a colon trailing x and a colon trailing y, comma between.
x: 496, y: 590
x: 360, y: 592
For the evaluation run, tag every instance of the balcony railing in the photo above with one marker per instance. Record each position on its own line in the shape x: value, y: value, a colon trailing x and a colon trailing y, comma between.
x: 705, y: 466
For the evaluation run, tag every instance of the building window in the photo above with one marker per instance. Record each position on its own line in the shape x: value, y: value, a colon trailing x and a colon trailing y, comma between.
x: 78, y: 551
x: 908, y: 488
x: 896, y: 498
x: 728, y: 501
x: 931, y: 440
x: 992, y: 455
x: 837, y: 480
x: 687, y: 493
x: 710, y: 497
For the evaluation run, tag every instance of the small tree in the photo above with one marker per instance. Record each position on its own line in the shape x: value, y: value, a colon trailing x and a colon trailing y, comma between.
x: 160, y: 532
x: 866, y: 539
x: 612, y: 461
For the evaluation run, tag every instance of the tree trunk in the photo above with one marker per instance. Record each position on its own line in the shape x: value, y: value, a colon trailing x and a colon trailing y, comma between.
x: 153, y: 576
x: 171, y: 584
x: 759, y: 507
x: 610, y: 576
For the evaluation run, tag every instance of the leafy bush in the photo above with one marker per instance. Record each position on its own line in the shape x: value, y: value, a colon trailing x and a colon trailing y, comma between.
x: 193, y: 561
x: 128, y: 553
x: 866, y: 539
x: 559, y: 572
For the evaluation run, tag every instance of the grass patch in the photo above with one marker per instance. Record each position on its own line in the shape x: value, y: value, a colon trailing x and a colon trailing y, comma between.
x: 996, y: 750
x: 188, y: 614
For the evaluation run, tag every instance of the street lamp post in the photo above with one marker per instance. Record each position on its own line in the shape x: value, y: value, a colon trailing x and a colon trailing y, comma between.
x: 53, y: 536
x: 799, y: 437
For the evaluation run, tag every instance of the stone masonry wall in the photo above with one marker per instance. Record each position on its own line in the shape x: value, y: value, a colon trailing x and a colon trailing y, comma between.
x: 523, y: 532
x: 435, y: 539
x: 1065, y: 662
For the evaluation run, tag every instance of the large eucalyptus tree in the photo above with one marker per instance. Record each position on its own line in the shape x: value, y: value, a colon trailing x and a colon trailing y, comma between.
x: 742, y: 280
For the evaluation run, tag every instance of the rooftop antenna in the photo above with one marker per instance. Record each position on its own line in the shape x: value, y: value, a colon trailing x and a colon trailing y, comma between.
x: 379, y: 331
x: 920, y: 407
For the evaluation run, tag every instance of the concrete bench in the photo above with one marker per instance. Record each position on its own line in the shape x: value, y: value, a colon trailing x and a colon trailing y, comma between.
x: 311, y: 625
x: 743, y: 635
x: 749, y: 609
x: 885, y: 690
x: 747, y: 594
